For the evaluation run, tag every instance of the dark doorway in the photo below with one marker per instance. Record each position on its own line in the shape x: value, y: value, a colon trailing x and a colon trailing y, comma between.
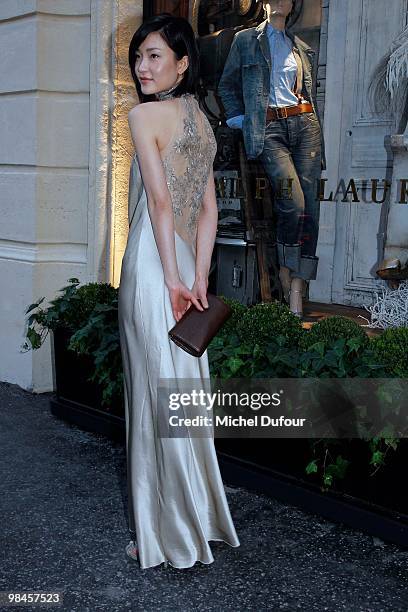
x: 179, y: 8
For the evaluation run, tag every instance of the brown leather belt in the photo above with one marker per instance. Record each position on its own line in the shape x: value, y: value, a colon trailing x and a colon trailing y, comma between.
x: 286, y: 111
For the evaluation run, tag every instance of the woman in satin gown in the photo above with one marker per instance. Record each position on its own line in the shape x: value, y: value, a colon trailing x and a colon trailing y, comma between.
x: 176, y: 497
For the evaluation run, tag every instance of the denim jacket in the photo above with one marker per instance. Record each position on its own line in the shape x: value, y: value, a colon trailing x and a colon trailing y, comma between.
x: 245, y: 83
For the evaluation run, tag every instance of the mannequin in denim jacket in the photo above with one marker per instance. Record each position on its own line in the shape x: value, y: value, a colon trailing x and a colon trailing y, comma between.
x: 291, y: 147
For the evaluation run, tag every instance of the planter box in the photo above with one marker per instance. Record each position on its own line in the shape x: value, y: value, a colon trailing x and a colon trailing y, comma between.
x: 377, y: 505
x: 90, y: 419
x: 290, y: 457
x: 273, y: 467
x: 338, y: 507
x: 71, y: 377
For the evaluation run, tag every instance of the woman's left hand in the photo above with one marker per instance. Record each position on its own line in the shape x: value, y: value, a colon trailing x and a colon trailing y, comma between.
x: 181, y: 299
x: 199, y: 290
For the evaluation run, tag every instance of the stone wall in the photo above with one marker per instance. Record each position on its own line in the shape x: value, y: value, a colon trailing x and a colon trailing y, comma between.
x: 64, y: 157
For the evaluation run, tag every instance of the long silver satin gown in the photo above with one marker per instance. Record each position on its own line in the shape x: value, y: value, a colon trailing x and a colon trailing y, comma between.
x: 176, y: 497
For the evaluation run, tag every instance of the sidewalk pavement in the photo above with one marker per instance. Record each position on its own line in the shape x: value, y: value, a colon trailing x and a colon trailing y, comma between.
x: 64, y: 528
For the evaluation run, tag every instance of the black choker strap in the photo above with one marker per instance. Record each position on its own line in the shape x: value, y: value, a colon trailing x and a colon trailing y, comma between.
x: 167, y: 94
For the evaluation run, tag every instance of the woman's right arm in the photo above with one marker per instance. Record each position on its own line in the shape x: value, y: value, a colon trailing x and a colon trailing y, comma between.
x: 142, y: 127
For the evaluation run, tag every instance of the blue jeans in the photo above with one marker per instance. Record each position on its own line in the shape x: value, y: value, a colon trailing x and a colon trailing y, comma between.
x: 292, y: 150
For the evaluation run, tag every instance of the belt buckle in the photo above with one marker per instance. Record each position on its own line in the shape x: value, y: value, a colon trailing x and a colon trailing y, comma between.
x: 280, y: 110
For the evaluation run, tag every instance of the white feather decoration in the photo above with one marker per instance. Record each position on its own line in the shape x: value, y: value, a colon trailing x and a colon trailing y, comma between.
x: 390, y: 309
x: 388, y: 85
x: 397, y: 68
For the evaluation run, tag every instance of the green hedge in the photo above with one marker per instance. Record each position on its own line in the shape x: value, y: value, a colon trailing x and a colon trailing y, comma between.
x: 90, y: 312
x: 391, y: 348
x: 267, y: 340
x: 333, y: 328
x: 262, y: 323
x: 261, y: 341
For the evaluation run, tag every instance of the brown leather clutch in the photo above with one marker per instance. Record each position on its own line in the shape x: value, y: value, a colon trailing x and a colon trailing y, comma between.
x: 197, y: 328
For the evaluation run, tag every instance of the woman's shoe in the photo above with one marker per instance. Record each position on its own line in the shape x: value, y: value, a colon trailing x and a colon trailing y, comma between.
x: 132, y: 550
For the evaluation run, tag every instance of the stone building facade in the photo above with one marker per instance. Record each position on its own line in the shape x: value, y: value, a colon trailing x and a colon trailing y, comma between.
x: 65, y: 91
x: 65, y: 149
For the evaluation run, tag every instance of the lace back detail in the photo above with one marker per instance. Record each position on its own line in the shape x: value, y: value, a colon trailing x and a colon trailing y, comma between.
x: 187, y: 161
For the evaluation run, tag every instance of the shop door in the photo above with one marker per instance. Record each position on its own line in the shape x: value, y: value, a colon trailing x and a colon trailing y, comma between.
x: 359, y: 34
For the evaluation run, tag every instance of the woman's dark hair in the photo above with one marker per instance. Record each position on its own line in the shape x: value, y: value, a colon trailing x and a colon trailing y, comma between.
x: 179, y: 35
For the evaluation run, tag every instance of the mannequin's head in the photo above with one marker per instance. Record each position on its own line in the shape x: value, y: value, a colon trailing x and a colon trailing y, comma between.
x: 279, y: 8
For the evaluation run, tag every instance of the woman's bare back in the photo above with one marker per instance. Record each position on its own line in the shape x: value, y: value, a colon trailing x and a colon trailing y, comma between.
x: 187, y: 159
